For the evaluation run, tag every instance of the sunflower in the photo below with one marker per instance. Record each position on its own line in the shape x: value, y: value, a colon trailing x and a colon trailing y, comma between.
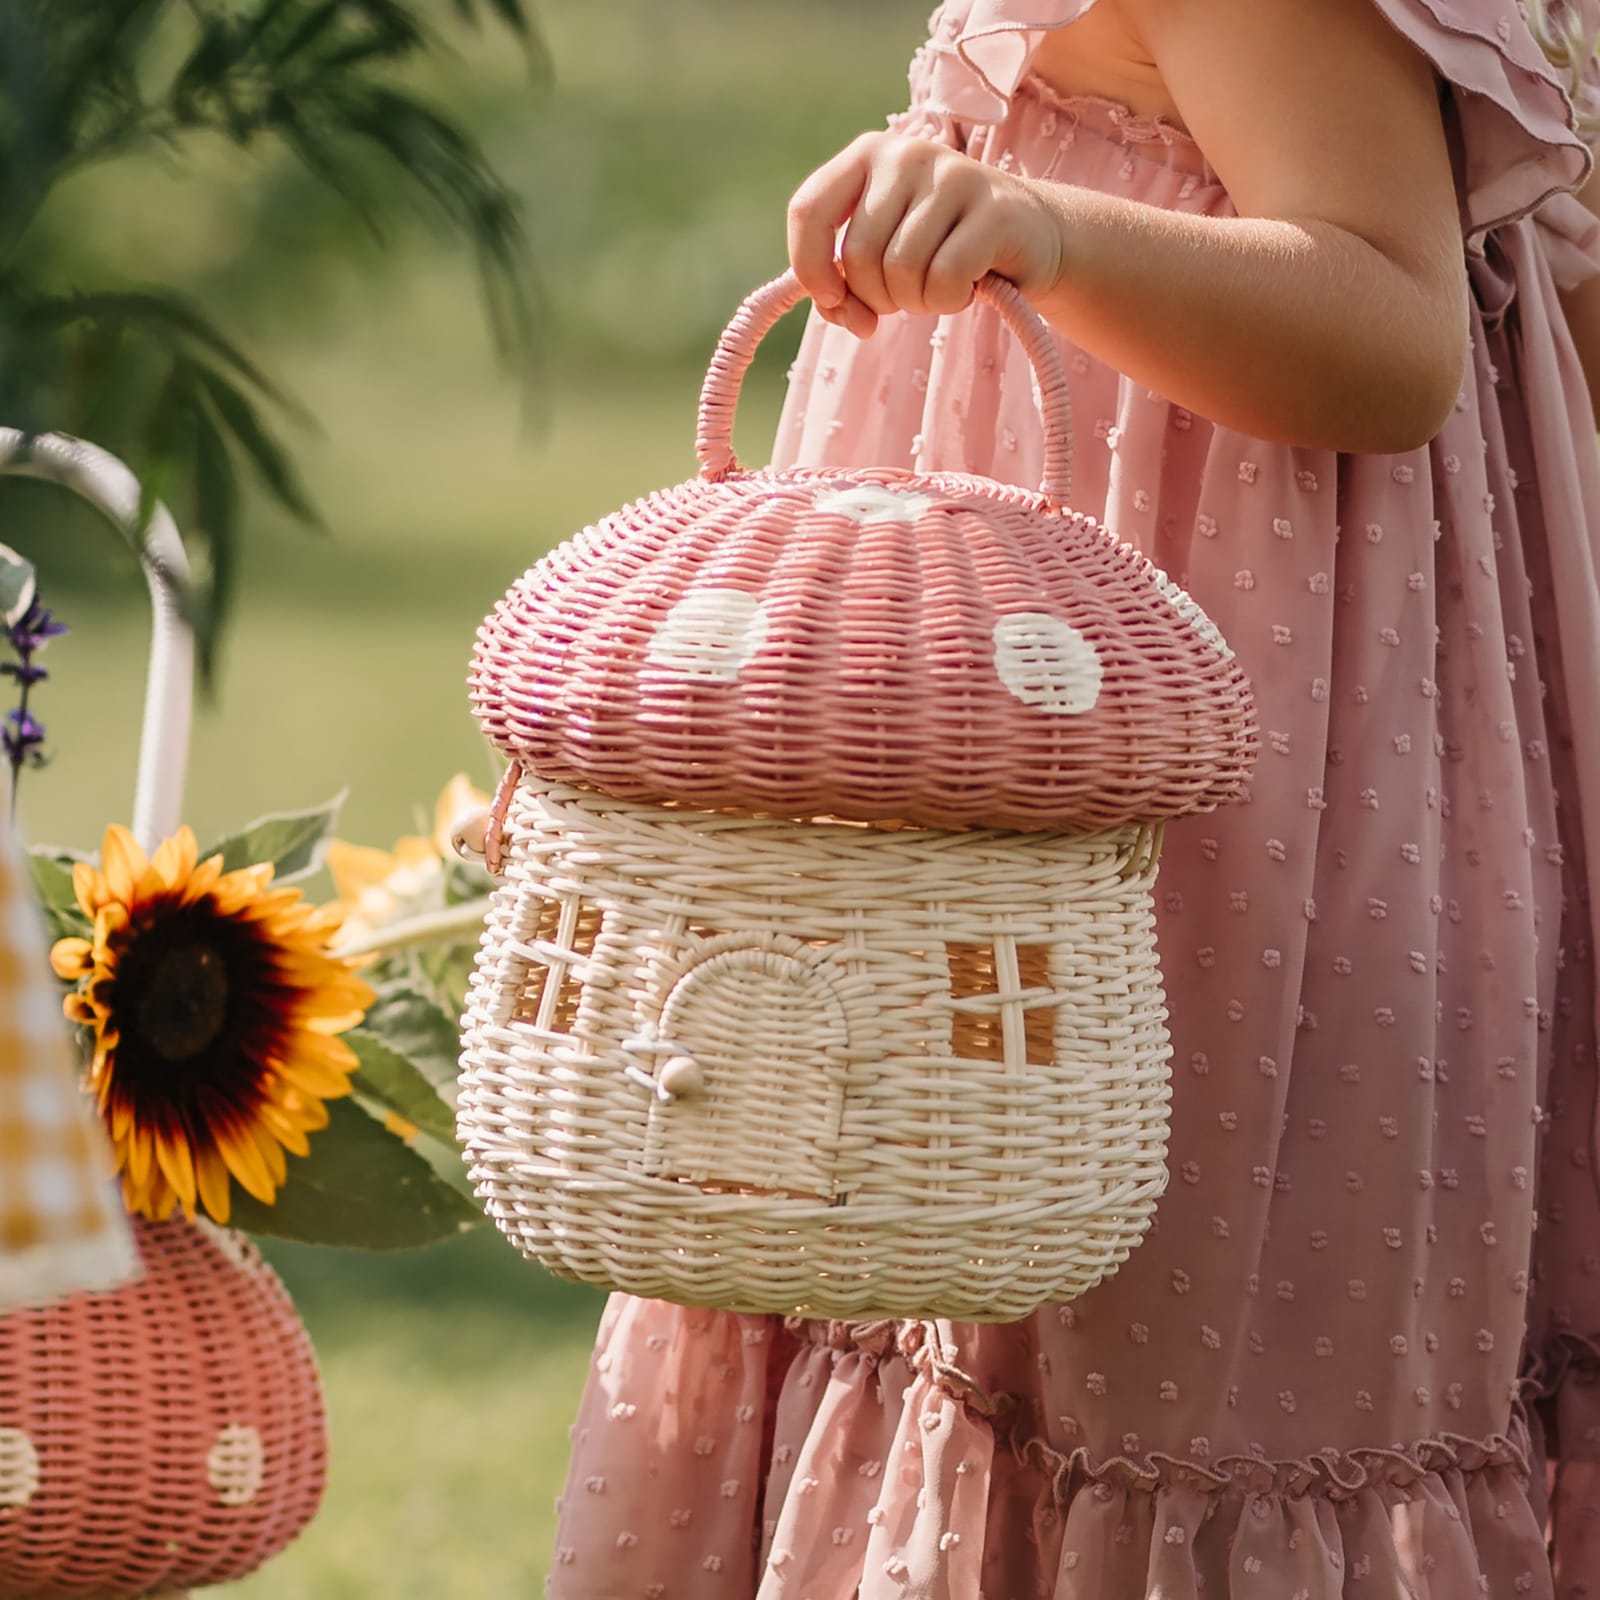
x: 374, y: 887
x: 214, y: 1005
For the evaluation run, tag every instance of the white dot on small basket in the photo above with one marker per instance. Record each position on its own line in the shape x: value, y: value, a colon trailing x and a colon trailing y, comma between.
x: 873, y: 502
x: 19, y: 1468
x: 711, y: 633
x: 1046, y: 663
x: 236, y: 1464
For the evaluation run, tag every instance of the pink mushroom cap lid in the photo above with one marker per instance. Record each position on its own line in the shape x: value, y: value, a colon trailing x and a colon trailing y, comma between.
x: 939, y: 649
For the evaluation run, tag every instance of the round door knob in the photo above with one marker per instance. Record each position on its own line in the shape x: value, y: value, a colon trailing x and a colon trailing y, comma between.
x: 681, y: 1075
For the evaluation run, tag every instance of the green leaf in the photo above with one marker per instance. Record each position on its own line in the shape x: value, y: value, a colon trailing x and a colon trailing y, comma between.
x: 216, y: 503
x: 448, y: 1163
x: 16, y: 586
x: 389, y: 1079
x: 268, y: 457
x: 293, y: 841
x: 417, y: 1028
x: 51, y: 871
x: 446, y: 971
x: 168, y: 318
x: 361, y: 1188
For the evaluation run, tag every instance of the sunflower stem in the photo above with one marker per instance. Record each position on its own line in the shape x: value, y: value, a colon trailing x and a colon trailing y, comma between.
x: 450, y: 926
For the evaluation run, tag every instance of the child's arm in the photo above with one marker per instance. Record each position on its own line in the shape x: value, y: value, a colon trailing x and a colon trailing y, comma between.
x: 1582, y: 306
x: 1330, y: 313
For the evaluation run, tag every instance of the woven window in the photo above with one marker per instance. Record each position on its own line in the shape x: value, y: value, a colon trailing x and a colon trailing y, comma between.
x: 558, y: 939
x: 1003, y: 1004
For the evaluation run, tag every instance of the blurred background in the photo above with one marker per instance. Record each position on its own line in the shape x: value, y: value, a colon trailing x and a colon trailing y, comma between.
x: 652, y: 163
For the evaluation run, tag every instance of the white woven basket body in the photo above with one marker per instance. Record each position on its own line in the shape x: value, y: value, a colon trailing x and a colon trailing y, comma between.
x: 821, y: 1067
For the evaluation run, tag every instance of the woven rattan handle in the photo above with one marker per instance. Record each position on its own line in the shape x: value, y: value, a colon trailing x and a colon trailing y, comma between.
x: 108, y: 485
x: 755, y: 319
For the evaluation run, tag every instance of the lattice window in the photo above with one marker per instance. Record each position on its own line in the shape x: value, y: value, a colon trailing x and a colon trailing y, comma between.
x: 552, y: 953
x: 1003, y: 1003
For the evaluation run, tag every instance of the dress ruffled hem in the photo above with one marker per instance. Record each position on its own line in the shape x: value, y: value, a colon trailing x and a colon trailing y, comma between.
x: 896, y: 1473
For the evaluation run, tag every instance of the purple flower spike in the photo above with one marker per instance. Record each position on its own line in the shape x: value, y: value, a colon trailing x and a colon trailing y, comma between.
x: 34, y: 629
x: 21, y: 733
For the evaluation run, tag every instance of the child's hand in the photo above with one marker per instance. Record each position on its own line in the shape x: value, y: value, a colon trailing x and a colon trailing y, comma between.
x: 923, y: 223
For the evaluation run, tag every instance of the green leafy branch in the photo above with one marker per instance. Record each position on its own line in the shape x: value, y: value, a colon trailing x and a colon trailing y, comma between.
x: 84, y: 82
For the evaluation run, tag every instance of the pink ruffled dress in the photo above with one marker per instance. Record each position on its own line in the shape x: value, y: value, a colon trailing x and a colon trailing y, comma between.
x: 1346, y: 1362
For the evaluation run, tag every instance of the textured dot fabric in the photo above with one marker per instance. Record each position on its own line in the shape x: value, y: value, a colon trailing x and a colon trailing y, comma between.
x: 1358, y: 1354
x: 62, y: 1227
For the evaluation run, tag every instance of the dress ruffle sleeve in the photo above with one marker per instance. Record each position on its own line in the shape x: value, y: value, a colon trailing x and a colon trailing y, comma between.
x: 1570, y: 233
x: 1519, y: 139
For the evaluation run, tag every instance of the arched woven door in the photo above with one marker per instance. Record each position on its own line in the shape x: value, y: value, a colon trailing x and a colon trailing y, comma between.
x: 717, y: 1123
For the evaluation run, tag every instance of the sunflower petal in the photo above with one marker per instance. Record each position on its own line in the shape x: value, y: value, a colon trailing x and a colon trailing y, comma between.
x: 330, y: 1050
x: 336, y: 1005
x: 245, y: 1163
x: 90, y: 888
x: 150, y: 1195
x: 122, y: 861
x: 139, y: 1153
x: 307, y: 1110
x: 201, y: 881
x: 312, y: 1077
x: 71, y: 958
x: 161, y: 1198
x: 211, y: 1175
x: 234, y: 891
x: 176, y: 1161
x: 271, y: 1153
x: 79, y: 1008
x: 459, y: 797
x: 110, y: 920
x: 121, y: 1116
x: 286, y: 1130
x: 134, y: 1197
x: 174, y: 861
x: 354, y: 867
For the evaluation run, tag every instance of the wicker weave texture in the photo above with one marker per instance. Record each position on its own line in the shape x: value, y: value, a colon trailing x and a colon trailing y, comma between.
x: 168, y: 1435
x: 872, y: 644
x: 838, y: 1069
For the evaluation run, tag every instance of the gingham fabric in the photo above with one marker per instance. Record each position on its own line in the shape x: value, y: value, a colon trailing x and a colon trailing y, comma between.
x: 62, y: 1227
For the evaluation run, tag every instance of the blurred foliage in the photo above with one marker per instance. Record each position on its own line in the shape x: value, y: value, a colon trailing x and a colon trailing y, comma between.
x: 657, y: 166
x: 146, y: 370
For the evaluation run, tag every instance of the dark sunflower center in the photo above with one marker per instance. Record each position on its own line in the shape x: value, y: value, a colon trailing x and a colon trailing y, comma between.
x: 202, y: 1012
x: 185, y: 1004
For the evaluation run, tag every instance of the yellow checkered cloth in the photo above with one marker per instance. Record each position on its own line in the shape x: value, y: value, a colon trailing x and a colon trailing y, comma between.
x: 62, y: 1227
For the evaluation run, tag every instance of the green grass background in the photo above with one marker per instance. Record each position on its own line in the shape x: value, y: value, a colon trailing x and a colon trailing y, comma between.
x: 654, y: 171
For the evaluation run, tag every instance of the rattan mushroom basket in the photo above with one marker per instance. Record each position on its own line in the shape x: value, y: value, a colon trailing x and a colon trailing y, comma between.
x: 164, y: 1436
x: 822, y: 977
x: 170, y: 1434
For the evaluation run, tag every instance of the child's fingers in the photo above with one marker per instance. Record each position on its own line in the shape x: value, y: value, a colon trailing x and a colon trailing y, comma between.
x: 820, y: 207
x: 854, y: 316
x: 911, y: 252
x: 966, y: 254
x: 874, y: 222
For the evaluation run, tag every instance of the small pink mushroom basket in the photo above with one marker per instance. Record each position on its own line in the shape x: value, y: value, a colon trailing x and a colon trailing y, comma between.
x: 822, y: 977
x: 169, y: 1434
